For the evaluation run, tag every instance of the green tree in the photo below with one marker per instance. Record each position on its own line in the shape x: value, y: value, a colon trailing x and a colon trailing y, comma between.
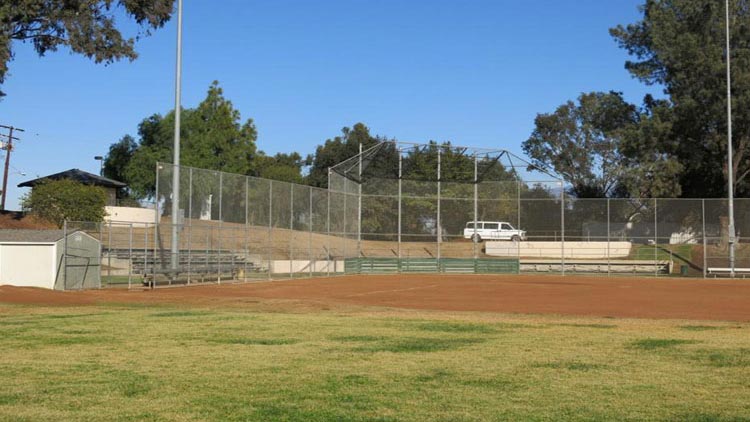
x: 61, y: 200
x: 212, y: 137
x: 680, y: 46
x: 651, y: 166
x: 338, y: 149
x: 118, y: 158
x: 86, y: 27
x: 283, y: 167
x: 580, y: 142
x: 603, y: 146
x: 116, y: 163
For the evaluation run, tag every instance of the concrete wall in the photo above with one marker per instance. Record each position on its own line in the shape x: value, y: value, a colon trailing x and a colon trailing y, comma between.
x: 112, y: 265
x: 111, y: 196
x: 28, y: 264
x: 592, y: 250
x: 140, y: 217
x: 303, y: 266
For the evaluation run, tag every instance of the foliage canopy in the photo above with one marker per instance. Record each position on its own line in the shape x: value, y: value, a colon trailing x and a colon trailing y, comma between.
x: 676, y: 146
x: 86, y: 27
x: 213, y: 136
x: 61, y: 200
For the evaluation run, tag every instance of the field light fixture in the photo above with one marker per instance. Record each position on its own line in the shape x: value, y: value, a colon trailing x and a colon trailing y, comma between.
x: 100, y: 159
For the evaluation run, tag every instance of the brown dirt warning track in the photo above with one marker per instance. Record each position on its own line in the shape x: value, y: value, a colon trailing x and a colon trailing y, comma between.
x: 572, y: 295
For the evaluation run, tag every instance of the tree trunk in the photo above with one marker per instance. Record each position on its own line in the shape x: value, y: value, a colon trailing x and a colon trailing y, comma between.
x: 724, y: 237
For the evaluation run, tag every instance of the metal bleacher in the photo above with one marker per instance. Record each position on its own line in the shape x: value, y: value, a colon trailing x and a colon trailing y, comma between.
x: 156, y: 268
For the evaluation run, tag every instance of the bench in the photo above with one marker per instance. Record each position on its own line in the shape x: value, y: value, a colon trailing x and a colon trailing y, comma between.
x: 716, y: 271
x: 614, y: 266
x: 183, y: 273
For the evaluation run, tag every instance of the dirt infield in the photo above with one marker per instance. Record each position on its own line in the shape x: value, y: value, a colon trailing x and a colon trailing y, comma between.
x: 583, y: 296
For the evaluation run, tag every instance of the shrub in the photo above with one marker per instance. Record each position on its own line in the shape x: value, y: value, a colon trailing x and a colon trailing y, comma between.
x: 61, y: 200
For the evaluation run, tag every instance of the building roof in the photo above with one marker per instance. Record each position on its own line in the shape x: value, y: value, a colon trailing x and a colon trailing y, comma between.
x: 77, y: 175
x: 32, y: 236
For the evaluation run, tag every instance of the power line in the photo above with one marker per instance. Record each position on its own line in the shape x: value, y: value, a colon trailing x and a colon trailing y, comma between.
x: 8, y: 150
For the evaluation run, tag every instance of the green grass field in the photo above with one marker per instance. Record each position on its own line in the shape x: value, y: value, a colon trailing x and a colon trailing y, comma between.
x: 662, y: 252
x: 286, y: 362
x: 680, y: 254
x: 119, y: 280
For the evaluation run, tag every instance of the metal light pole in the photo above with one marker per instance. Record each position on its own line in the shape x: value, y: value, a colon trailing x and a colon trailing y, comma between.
x: 100, y: 159
x: 730, y: 166
x: 176, y: 148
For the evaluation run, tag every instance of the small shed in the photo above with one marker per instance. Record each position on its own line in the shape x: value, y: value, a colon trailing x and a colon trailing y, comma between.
x: 38, y: 258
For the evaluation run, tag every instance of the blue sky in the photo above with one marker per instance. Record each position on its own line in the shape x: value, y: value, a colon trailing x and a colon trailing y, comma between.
x: 474, y: 72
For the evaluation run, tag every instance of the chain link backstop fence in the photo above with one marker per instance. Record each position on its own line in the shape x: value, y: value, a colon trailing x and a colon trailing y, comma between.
x: 408, y: 209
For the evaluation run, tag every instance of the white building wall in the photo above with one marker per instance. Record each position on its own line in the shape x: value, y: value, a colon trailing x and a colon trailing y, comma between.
x: 590, y: 250
x: 139, y: 217
x: 28, y: 264
x: 303, y: 266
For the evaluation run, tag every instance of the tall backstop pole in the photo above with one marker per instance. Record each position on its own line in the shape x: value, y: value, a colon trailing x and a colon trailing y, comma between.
x: 438, y: 225
x: 176, y: 148
x: 400, y: 191
x: 562, y: 228
x: 730, y: 166
x: 359, y: 206
x: 474, y: 237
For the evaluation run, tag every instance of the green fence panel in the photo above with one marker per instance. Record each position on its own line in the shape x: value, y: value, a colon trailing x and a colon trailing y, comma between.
x: 430, y: 265
x: 420, y: 265
x: 352, y: 266
x: 457, y: 266
x: 497, y: 266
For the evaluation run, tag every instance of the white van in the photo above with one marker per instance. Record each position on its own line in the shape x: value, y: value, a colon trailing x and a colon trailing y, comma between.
x: 493, y: 230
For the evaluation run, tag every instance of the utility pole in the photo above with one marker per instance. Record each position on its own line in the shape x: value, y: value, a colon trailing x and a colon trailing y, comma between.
x: 8, y: 149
